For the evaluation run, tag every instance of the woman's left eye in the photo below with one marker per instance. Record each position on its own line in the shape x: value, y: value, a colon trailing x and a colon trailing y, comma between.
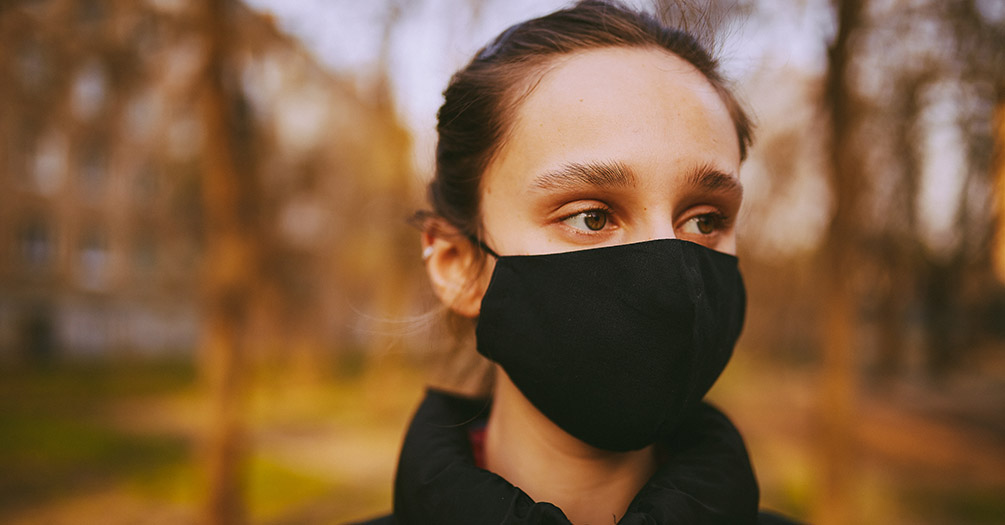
x: 589, y: 220
x: 704, y: 224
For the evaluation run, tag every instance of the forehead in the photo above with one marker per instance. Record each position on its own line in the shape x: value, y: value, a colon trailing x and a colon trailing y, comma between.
x: 635, y: 105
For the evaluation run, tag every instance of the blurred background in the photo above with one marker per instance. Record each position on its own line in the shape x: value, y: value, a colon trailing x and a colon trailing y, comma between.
x: 212, y: 308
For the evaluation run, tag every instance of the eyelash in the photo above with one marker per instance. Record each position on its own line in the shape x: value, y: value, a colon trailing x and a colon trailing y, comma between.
x: 718, y: 220
x: 606, y: 211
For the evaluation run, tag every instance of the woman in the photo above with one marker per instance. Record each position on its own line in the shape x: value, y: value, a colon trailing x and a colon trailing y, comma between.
x: 584, y: 220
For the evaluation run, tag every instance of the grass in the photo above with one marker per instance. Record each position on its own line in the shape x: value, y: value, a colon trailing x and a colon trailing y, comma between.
x: 132, y: 429
x: 961, y: 504
x: 54, y: 438
x: 51, y: 455
x: 273, y: 489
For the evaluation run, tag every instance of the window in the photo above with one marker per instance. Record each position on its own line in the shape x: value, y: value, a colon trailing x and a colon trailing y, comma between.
x: 36, y: 245
x: 144, y: 255
x: 49, y: 163
x: 146, y: 184
x: 89, y: 90
x: 92, y: 260
x: 92, y: 170
x: 33, y: 65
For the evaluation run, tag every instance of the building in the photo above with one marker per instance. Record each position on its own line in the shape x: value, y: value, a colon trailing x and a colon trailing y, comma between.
x: 100, y: 139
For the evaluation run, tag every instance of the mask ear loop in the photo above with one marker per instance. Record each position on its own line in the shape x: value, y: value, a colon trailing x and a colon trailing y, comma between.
x: 478, y: 242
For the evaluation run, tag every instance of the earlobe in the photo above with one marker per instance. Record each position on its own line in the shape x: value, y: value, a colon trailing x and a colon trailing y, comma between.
x: 452, y: 264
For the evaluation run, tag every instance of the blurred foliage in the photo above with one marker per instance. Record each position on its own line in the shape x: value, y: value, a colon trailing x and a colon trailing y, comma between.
x: 920, y: 84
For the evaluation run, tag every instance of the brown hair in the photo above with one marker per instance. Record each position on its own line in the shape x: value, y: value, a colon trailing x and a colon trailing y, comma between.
x: 480, y: 100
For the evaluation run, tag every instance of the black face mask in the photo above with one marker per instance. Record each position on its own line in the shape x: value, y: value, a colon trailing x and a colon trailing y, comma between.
x: 615, y: 345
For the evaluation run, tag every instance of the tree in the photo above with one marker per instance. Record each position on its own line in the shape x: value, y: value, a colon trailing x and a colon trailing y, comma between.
x: 840, y: 262
x: 999, y: 177
x: 230, y: 196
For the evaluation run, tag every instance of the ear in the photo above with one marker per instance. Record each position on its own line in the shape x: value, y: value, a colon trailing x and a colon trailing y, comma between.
x: 458, y: 275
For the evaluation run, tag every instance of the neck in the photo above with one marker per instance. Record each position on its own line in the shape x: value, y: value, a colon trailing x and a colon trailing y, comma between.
x: 590, y: 485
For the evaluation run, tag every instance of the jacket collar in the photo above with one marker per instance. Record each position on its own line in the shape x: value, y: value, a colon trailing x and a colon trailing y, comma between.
x: 707, y: 477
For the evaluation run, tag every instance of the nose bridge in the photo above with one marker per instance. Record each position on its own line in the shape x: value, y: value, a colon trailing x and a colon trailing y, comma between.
x: 664, y: 229
x: 658, y: 224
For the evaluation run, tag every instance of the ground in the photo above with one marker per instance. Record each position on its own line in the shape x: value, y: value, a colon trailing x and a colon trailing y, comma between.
x: 104, y: 443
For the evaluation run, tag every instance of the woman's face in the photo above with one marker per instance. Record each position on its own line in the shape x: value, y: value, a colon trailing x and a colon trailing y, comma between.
x: 615, y: 146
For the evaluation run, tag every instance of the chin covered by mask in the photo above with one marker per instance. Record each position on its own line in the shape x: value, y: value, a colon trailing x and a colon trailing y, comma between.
x: 615, y: 345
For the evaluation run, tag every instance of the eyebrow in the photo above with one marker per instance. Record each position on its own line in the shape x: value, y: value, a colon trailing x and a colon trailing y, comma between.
x: 713, y: 180
x: 575, y: 175
x: 615, y: 174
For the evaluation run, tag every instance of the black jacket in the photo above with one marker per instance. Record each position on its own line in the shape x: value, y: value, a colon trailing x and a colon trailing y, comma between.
x: 706, y: 478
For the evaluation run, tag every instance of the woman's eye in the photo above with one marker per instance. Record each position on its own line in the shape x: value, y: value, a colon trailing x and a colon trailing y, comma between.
x: 705, y: 224
x: 591, y: 220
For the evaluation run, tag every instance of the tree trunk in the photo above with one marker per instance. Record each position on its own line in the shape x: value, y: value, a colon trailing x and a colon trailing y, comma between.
x: 840, y: 266
x: 229, y: 276
x: 998, y: 176
x: 899, y: 253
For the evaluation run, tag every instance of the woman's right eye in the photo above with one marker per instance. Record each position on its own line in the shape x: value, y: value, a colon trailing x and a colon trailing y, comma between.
x: 589, y: 220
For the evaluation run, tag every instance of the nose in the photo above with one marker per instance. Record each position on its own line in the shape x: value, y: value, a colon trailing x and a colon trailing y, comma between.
x: 656, y: 226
